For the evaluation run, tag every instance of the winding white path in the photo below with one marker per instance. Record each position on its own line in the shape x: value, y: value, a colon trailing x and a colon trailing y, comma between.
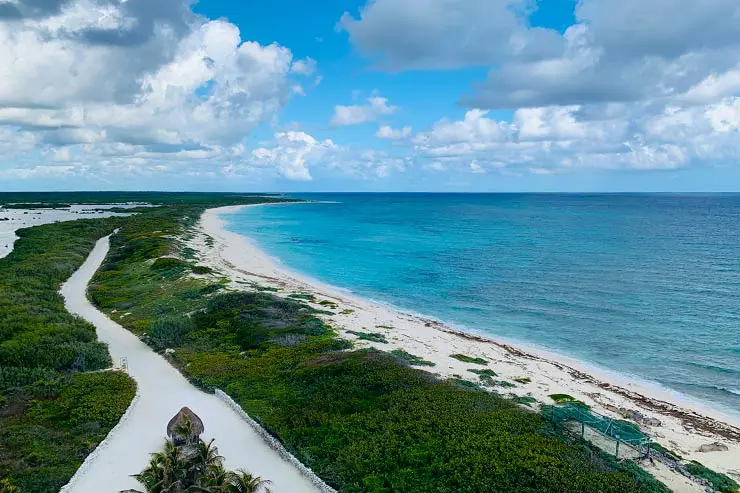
x: 162, y: 392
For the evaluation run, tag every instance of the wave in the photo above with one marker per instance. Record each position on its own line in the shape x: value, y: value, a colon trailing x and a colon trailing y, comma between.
x: 718, y: 369
x: 735, y: 391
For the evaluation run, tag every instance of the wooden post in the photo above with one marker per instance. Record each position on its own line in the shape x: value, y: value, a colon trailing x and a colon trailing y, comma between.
x: 616, y: 453
x: 583, y: 429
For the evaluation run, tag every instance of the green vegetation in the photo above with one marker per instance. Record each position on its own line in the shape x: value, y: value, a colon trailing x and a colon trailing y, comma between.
x: 363, y: 420
x: 720, y: 482
x: 47, y: 429
x: 51, y: 415
x: 369, y: 336
x: 302, y: 296
x: 195, y: 467
x: 659, y: 448
x: 523, y: 380
x: 525, y: 400
x: 411, y: 359
x: 487, y: 372
x: 469, y: 359
x: 567, y: 399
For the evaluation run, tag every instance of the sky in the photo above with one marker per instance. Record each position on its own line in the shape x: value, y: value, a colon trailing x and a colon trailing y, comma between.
x: 370, y: 95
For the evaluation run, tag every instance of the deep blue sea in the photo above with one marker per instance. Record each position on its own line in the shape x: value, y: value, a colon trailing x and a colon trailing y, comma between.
x: 647, y: 285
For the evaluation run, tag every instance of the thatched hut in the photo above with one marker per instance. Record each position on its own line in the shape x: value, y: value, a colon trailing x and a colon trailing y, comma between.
x: 185, y: 427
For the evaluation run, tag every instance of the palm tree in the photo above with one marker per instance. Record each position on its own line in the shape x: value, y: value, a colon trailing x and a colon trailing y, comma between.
x: 195, y: 468
x: 167, y: 471
x: 243, y: 482
x: 203, y: 458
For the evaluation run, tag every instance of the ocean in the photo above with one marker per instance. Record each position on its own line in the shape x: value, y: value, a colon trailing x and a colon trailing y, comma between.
x: 645, y: 285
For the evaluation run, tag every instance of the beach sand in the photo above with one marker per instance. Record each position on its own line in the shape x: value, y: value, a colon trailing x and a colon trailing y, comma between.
x: 685, y: 425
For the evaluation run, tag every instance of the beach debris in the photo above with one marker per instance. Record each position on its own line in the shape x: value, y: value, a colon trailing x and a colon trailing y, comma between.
x: 714, y: 447
x: 638, y: 417
x: 185, y: 427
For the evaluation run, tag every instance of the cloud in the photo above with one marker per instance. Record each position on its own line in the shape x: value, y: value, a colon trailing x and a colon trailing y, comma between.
x: 446, y: 34
x: 298, y: 156
x: 306, y: 66
x: 617, y: 50
x: 626, y: 51
x: 168, y: 86
x: 386, y: 132
x: 357, y: 114
x: 572, y: 138
x: 292, y: 153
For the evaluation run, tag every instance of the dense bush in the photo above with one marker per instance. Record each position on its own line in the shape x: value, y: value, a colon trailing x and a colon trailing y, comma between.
x: 169, y: 332
x: 47, y: 429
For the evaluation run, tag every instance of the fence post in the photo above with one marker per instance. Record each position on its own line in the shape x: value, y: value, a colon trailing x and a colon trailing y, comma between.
x: 583, y: 429
x: 616, y: 452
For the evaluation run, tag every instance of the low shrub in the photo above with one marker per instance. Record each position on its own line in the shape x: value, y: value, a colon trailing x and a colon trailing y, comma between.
x: 169, y: 332
x: 369, y: 336
x: 469, y: 359
x: 411, y: 359
x: 720, y: 482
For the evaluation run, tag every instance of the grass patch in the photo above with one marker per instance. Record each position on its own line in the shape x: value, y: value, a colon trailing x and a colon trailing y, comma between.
x: 719, y: 481
x: 487, y: 372
x: 302, y: 296
x: 411, y: 359
x: 329, y: 304
x: 469, y: 359
x: 523, y: 380
x: 567, y: 399
x: 347, y: 311
x: 369, y: 336
x: 658, y: 447
x: 525, y: 400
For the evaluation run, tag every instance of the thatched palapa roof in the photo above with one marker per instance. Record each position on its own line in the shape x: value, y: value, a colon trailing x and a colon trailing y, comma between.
x: 185, y: 426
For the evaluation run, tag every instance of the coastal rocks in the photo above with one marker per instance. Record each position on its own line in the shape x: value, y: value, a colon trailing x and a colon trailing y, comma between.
x: 714, y: 447
x: 638, y: 417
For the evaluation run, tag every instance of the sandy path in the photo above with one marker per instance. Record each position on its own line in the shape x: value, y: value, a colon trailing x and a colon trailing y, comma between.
x: 162, y: 392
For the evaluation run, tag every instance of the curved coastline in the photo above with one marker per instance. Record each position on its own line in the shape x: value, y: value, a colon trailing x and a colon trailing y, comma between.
x: 684, y: 424
x: 634, y: 383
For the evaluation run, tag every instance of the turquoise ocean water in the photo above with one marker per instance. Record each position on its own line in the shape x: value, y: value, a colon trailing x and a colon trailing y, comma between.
x: 647, y: 285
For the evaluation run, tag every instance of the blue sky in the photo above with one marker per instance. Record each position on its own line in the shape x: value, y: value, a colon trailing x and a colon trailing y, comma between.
x: 386, y: 95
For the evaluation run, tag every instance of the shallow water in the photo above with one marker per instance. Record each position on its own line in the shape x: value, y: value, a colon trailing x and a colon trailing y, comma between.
x: 642, y: 284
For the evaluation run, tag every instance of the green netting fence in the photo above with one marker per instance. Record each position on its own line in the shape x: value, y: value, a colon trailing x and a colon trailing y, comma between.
x: 607, y: 433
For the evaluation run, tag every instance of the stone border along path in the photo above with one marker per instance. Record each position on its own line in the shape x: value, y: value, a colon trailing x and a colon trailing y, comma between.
x: 162, y: 391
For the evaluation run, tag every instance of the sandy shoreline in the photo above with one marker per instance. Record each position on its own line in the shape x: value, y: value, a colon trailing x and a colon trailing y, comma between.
x: 685, y: 425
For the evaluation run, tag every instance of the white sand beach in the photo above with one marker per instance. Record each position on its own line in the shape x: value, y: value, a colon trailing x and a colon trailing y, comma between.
x: 670, y: 419
x: 162, y: 391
